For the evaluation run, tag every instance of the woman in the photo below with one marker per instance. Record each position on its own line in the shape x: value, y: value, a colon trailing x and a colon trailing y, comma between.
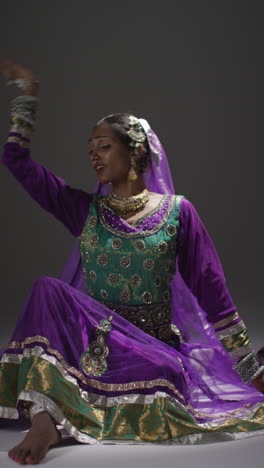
x: 139, y: 340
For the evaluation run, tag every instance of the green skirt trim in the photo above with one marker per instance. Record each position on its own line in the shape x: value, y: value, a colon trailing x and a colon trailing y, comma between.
x: 38, y: 381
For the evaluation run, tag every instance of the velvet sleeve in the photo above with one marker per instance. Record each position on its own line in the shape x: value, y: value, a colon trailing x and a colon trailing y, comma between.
x: 202, y: 271
x: 53, y: 194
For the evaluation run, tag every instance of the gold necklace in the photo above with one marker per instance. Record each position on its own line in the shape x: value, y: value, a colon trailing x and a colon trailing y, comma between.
x: 123, y: 205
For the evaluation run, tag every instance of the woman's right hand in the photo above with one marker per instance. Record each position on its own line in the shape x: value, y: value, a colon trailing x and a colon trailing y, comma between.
x: 11, y: 71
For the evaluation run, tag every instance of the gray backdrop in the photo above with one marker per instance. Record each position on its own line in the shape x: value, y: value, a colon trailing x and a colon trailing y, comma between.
x: 194, y: 69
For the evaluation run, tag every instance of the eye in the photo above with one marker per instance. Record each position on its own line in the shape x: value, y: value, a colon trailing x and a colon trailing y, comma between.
x: 106, y: 146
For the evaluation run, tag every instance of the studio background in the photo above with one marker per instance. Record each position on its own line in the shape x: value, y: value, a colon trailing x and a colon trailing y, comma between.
x: 194, y: 70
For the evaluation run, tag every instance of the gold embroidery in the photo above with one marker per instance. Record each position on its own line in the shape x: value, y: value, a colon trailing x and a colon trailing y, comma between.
x: 92, y: 275
x: 148, y: 264
x: 147, y: 297
x: 102, y: 259
x: 124, y: 296
x: 93, y: 359
x: 239, y: 340
x: 175, y: 199
x: 143, y: 384
x: 171, y: 230
x: 139, y: 245
x: 16, y: 139
x: 226, y: 321
x: 135, y: 280
x: 92, y: 221
x: 125, y: 261
x: 163, y: 246
x: 47, y: 369
x: 232, y: 330
x: 116, y: 244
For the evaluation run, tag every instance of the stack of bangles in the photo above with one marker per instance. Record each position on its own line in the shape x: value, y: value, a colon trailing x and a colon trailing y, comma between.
x: 23, y: 119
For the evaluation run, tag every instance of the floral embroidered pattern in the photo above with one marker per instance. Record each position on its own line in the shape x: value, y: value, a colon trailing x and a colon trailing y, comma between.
x: 163, y: 246
x: 92, y: 275
x: 171, y: 230
x: 124, y: 296
x: 102, y: 259
x: 116, y: 244
x: 139, y: 245
x: 92, y: 221
x: 125, y: 261
x: 147, y: 297
x: 148, y: 264
x: 104, y: 294
x: 135, y: 280
x: 112, y: 279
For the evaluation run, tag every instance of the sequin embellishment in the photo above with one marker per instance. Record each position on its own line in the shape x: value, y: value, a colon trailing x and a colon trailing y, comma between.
x: 135, y: 280
x: 92, y: 221
x: 125, y: 261
x: 171, y: 230
x: 87, y: 257
x: 157, y: 281
x: 94, y: 240
x: 148, y: 264
x: 104, y: 294
x: 139, y: 245
x: 112, y: 279
x: 176, y: 331
x: 116, y: 244
x: 124, y: 296
x: 93, y: 360
x: 147, y: 297
x: 163, y: 246
x: 166, y: 296
x: 92, y: 275
x: 102, y: 259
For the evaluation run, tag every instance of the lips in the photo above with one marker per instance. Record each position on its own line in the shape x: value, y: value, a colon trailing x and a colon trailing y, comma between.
x: 98, y: 167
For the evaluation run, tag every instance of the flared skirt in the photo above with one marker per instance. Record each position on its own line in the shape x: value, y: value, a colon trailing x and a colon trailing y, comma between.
x: 148, y: 391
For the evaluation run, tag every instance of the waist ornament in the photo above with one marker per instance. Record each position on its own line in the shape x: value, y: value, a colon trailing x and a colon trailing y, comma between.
x: 154, y: 319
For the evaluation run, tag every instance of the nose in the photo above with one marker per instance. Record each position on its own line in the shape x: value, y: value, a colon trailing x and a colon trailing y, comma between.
x: 93, y: 155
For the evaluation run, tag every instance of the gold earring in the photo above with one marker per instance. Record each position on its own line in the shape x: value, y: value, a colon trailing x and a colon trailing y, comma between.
x: 132, y: 175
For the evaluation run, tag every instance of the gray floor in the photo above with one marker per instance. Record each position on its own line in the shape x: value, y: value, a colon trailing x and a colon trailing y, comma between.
x: 238, y: 454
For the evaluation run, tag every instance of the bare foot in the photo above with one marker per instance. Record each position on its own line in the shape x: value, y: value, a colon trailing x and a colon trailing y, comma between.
x: 42, y: 435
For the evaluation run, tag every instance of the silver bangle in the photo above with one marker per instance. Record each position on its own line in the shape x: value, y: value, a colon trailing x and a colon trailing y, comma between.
x: 25, y: 108
x: 248, y: 368
x: 22, y: 83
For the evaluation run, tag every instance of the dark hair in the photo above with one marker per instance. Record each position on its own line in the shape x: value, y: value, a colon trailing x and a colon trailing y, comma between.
x: 120, y: 124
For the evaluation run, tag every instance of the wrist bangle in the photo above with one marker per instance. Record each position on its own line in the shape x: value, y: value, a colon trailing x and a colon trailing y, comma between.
x: 23, y: 83
x: 24, y: 114
x: 248, y: 368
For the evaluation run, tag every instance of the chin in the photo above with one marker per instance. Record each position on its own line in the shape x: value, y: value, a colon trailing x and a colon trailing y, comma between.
x: 103, y: 180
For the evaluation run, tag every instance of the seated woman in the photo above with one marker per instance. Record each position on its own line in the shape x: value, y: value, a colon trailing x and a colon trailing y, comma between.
x: 139, y: 339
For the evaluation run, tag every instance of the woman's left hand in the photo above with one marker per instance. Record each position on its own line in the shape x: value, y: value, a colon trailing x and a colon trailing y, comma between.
x: 259, y: 383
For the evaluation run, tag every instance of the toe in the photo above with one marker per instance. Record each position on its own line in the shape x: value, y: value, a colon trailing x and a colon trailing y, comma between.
x: 13, y: 454
x: 31, y: 460
x: 22, y: 454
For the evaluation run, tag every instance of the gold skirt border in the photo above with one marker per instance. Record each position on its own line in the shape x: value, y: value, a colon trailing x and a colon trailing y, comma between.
x: 41, y: 402
x: 244, y: 412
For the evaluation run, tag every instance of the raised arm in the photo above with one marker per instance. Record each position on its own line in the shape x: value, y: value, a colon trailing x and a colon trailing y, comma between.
x: 68, y: 205
x: 202, y: 271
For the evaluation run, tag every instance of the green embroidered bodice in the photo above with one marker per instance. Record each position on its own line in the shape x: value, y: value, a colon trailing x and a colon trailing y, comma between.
x: 130, y: 266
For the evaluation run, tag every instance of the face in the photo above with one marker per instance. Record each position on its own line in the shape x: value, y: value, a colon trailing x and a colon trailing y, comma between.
x: 109, y: 157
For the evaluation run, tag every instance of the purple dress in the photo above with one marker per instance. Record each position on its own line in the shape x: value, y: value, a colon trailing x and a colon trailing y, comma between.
x: 125, y: 356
